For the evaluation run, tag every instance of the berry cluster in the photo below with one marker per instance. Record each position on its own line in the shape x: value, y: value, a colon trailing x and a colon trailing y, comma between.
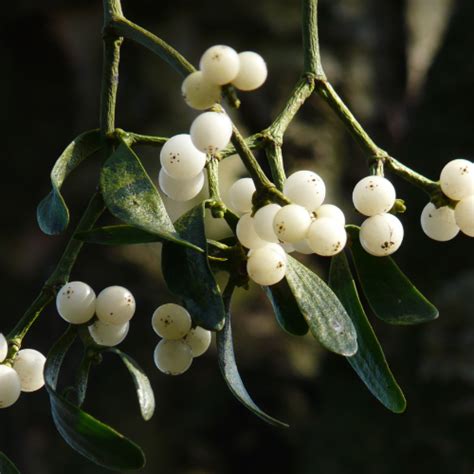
x: 221, y: 65
x: 181, y: 342
x: 457, y: 183
x: 25, y: 375
x: 114, y: 307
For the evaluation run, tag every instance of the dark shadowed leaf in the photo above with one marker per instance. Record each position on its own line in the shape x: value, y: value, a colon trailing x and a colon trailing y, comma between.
x: 118, y: 235
x: 326, y: 317
x: 146, y: 398
x: 52, y: 213
x: 286, y: 309
x: 390, y: 294
x: 6, y: 466
x: 369, y: 362
x: 228, y: 366
x: 131, y: 196
x: 93, y: 439
x: 188, y: 274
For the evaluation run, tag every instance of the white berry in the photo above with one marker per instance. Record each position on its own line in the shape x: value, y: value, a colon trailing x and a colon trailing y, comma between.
x: 381, y: 235
x: 331, y: 211
x: 464, y: 215
x: 211, y: 131
x: 291, y: 223
x: 199, y: 93
x: 457, y: 179
x: 180, y: 158
x: 246, y: 233
x: 266, y: 265
x: 199, y: 340
x: 108, y: 335
x: 305, y: 188
x: 10, y: 386
x: 439, y: 223
x: 252, y: 71
x: 303, y: 247
x: 173, y: 357
x: 29, y: 365
x: 263, y: 222
x: 373, y: 195
x: 171, y: 321
x: 76, y: 302
x: 220, y: 64
x: 3, y: 348
x: 115, y: 305
x: 326, y: 236
x: 180, y: 189
x: 240, y: 195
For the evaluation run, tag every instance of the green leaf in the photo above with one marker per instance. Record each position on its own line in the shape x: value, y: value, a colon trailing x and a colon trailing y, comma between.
x: 6, y: 466
x: 146, y: 398
x: 390, y: 294
x: 188, y: 274
x: 93, y: 439
x: 52, y: 213
x: 118, y: 235
x: 131, y: 196
x: 369, y: 362
x: 327, y: 319
x: 286, y: 308
x: 228, y: 366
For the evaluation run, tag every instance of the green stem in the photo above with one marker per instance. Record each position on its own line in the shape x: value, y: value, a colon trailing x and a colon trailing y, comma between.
x: 312, y: 58
x: 131, y: 138
x: 275, y: 161
x: 215, y: 203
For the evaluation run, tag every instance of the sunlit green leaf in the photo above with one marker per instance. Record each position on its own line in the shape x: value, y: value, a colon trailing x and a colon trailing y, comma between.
x: 369, y: 362
x: 52, y: 213
x: 6, y: 466
x: 93, y: 439
x: 390, y: 294
x: 146, y: 398
x: 327, y: 319
x: 188, y: 274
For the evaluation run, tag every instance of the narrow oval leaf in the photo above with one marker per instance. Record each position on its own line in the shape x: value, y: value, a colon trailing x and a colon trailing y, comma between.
x: 188, y: 274
x: 327, y: 319
x: 390, y: 294
x: 146, y: 398
x: 286, y: 309
x: 52, y: 213
x: 6, y: 466
x: 131, y: 196
x: 369, y: 362
x: 228, y: 366
x: 117, y: 235
x: 93, y: 439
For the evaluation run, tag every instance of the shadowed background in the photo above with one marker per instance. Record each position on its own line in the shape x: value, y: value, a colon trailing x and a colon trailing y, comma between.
x: 406, y: 69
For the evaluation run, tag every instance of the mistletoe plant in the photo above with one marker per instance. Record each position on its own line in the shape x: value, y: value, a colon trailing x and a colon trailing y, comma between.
x: 270, y: 217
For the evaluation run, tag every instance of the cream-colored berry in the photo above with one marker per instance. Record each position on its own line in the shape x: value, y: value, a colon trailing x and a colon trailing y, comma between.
x: 331, y: 211
x: 219, y: 64
x: 326, y: 236
x: 263, y: 222
x: 76, y: 302
x: 211, y: 132
x: 199, y: 93
x: 199, y: 340
x: 29, y: 365
x: 439, y: 223
x: 115, y: 305
x: 246, y: 233
x: 267, y: 265
x: 373, y: 195
x: 171, y: 321
x: 108, y: 335
x: 291, y: 223
x: 240, y: 195
x: 3, y: 348
x: 180, y: 189
x: 305, y: 188
x: 10, y: 386
x: 457, y: 179
x: 252, y: 71
x: 381, y: 235
x: 173, y: 357
x: 464, y: 215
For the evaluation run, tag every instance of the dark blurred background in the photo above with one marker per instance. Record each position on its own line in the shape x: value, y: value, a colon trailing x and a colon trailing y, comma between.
x: 406, y: 68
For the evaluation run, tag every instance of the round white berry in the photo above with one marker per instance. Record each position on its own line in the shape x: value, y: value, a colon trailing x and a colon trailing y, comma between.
x: 381, y: 235
x: 199, y: 340
x: 180, y: 189
x: 305, y: 188
x: 252, y: 71
x: 266, y: 265
x: 373, y: 195
x: 246, y: 233
x: 457, y: 179
x: 180, y: 158
x: 240, y: 195
x: 211, y: 131
x: 108, y: 335
x: 276, y: 247
x: 439, y: 223
x: 199, y: 93
x: 291, y: 223
x: 10, y: 386
x: 303, y: 247
x: 263, y: 222
x: 115, y: 305
x: 76, y: 302
x: 326, y: 236
x: 29, y: 365
x: 464, y: 215
x: 219, y: 64
x: 173, y: 357
x: 171, y: 321
x: 331, y: 211
x: 3, y: 348
x: 288, y: 248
